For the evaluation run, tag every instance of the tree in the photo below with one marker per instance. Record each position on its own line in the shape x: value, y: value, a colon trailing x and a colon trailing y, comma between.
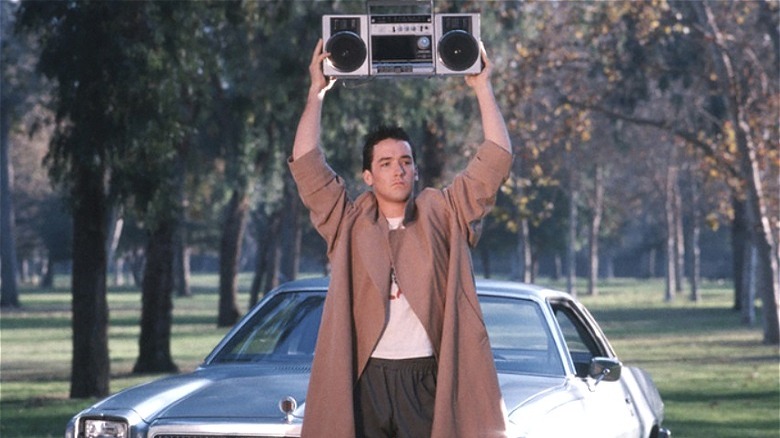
x: 690, y: 51
x: 751, y: 146
x: 79, y: 52
x: 9, y: 297
x: 120, y: 71
x: 176, y: 64
x: 18, y: 97
x: 157, y: 288
x: 254, y: 123
x: 723, y: 59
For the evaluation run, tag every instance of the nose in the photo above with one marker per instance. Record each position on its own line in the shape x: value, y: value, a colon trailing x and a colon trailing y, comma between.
x: 400, y: 169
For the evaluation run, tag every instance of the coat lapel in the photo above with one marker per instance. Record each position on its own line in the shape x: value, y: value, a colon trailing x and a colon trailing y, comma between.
x: 373, y: 251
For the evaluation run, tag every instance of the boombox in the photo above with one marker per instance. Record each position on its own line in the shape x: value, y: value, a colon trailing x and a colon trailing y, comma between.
x: 401, y: 45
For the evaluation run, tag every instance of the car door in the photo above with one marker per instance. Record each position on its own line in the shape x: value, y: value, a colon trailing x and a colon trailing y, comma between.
x: 608, y: 408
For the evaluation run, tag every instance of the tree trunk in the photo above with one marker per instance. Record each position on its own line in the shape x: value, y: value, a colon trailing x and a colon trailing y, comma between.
x: 523, y: 268
x: 652, y: 259
x: 739, y: 242
x: 9, y: 294
x: 609, y: 269
x: 571, y: 243
x: 679, y: 238
x: 593, y: 232
x: 229, y: 257
x: 181, y: 264
x: 119, y: 271
x: 115, y: 224
x: 47, y: 280
x: 261, y: 268
x: 748, y: 306
x: 157, y: 302
x: 768, y: 276
x: 274, y: 252
x: 528, y: 258
x: 290, y: 242
x: 671, y: 250
x: 90, y: 370
x: 181, y: 250
x: 265, y: 245
x: 695, y: 271
x: 137, y: 263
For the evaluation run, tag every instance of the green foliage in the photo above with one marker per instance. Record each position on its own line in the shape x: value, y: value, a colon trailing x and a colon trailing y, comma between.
x: 205, y: 95
x: 212, y: 90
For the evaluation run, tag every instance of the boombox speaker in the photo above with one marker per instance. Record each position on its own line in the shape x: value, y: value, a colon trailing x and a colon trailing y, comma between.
x: 346, y: 39
x: 457, y: 44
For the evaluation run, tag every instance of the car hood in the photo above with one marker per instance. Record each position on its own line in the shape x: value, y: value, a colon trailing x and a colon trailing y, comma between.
x: 234, y: 392
x: 249, y: 391
x: 537, y: 394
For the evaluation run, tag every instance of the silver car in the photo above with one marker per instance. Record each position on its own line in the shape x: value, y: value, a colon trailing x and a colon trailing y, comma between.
x: 559, y: 376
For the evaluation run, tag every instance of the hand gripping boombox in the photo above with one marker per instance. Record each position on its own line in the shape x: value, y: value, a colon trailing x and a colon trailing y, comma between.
x: 392, y: 45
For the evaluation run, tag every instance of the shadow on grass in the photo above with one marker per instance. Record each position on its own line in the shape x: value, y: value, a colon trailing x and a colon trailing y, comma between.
x: 742, y: 429
x: 38, y: 417
x: 665, y: 320
x: 135, y: 321
x: 713, y: 398
x: 41, y: 319
x: 10, y: 322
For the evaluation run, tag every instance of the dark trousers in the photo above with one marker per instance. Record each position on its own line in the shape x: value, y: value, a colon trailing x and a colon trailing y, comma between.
x: 394, y: 398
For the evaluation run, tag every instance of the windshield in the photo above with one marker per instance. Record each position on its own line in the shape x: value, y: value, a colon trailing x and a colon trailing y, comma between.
x: 520, y: 337
x: 285, y: 329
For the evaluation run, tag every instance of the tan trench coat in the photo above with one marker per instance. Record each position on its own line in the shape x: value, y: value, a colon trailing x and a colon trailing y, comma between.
x: 433, y: 266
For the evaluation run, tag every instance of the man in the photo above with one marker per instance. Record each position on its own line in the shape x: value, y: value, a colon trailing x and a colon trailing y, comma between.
x: 402, y: 349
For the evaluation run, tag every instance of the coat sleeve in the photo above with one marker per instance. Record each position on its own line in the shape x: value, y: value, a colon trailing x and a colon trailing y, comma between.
x: 472, y: 193
x: 322, y: 192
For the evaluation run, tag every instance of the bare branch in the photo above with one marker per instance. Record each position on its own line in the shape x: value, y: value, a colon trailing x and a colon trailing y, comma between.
x: 664, y: 125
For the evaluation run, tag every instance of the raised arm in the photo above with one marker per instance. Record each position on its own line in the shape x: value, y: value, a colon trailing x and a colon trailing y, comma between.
x: 307, y: 136
x: 493, y: 125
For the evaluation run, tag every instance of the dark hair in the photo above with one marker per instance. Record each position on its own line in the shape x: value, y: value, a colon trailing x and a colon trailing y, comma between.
x: 382, y: 133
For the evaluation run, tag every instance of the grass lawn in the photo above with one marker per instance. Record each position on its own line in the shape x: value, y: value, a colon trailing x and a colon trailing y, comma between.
x: 716, y: 377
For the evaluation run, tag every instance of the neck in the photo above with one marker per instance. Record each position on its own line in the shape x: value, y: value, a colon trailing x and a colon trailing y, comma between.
x: 392, y: 209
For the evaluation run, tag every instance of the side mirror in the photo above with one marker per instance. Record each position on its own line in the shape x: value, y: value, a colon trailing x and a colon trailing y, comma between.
x: 605, y: 369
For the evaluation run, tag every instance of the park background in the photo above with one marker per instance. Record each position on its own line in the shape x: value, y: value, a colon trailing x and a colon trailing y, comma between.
x: 144, y: 145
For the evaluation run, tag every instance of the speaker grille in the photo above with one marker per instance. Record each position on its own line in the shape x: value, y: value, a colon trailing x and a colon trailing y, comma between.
x: 458, y: 50
x: 347, y: 51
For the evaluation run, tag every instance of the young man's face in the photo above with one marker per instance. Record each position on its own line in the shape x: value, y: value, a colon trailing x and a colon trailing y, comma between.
x: 392, y: 173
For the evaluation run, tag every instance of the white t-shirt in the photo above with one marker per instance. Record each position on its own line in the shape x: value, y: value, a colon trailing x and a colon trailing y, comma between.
x: 404, y: 336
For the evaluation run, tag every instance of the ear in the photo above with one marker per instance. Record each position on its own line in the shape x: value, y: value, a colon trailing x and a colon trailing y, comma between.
x: 416, y: 174
x: 368, y: 178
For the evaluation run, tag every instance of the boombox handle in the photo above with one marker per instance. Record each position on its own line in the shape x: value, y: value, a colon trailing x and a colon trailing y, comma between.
x: 379, y: 7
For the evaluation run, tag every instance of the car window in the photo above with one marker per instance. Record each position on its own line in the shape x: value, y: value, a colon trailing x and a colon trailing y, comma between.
x: 285, y: 329
x: 520, y: 337
x: 582, y: 347
x: 574, y: 340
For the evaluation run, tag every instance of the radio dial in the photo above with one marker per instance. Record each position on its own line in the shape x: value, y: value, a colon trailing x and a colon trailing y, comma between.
x: 424, y: 43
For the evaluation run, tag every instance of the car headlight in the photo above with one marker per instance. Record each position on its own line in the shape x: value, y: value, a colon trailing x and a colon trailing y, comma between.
x: 105, y: 429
